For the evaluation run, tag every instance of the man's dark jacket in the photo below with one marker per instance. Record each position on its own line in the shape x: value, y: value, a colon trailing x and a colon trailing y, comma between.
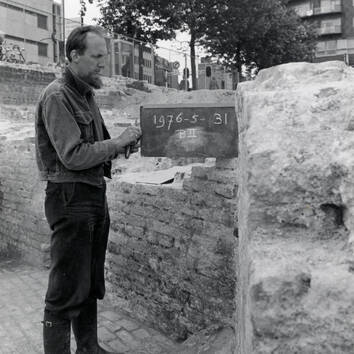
x: 72, y: 142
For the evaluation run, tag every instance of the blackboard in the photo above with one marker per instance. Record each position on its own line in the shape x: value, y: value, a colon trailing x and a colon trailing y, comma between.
x: 189, y: 130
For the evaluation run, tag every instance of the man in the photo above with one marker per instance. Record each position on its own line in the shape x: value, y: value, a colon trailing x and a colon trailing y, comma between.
x: 74, y: 153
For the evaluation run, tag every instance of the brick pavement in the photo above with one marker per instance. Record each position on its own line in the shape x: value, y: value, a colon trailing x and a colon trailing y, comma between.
x: 22, y: 290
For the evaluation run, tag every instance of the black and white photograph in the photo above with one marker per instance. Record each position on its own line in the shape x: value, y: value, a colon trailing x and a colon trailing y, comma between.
x: 177, y: 177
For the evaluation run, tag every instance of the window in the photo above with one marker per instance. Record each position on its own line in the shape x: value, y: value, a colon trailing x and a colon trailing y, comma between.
x: 330, y: 26
x: 42, y: 21
x: 327, y: 46
x: 147, y: 63
x: 331, y: 23
x: 146, y: 78
x: 42, y: 49
x: 327, y: 6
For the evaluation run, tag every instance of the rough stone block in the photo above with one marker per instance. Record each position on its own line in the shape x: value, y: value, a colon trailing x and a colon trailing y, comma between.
x: 296, y: 210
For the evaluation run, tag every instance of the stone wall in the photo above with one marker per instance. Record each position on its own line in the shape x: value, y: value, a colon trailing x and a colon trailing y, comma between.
x: 20, y: 85
x: 172, y: 251
x: 296, y: 210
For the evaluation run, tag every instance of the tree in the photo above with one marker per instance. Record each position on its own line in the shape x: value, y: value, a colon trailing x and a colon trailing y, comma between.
x: 258, y: 33
x: 140, y: 20
x: 193, y: 16
x: 150, y: 20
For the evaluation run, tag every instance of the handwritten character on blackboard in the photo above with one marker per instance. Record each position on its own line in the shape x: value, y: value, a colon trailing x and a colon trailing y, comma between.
x: 184, y: 141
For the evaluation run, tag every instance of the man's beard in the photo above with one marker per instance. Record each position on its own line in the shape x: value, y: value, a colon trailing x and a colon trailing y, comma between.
x: 95, y: 82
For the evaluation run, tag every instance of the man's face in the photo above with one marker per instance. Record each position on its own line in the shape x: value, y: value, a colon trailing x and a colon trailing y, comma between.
x: 91, y: 62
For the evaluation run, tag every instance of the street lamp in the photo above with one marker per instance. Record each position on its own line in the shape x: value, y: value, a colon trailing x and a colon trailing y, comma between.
x: 63, y: 6
x: 182, y: 47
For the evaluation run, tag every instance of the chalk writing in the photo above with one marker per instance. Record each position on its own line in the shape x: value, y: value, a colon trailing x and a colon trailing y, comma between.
x: 219, y: 119
x: 187, y: 133
x: 189, y: 130
x: 161, y: 121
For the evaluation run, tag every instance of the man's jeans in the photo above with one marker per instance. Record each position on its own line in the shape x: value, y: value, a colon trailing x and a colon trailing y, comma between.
x: 77, y: 214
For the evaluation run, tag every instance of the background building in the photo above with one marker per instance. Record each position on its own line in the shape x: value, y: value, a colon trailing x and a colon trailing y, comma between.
x: 165, y: 74
x: 335, y: 23
x: 37, y: 26
x: 123, y: 59
x: 130, y: 59
x: 34, y: 25
x: 213, y: 76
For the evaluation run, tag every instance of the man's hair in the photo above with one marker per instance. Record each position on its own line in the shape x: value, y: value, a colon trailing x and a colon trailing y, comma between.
x: 77, y: 38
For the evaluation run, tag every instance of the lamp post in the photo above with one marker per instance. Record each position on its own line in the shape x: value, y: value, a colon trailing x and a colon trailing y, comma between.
x: 182, y: 47
x: 63, y: 5
x: 185, y: 71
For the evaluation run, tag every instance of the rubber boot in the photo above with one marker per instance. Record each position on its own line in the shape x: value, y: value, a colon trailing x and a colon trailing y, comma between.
x: 85, y: 331
x: 56, y: 334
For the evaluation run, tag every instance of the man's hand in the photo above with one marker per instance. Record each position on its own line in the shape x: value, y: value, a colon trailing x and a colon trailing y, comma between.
x: 130, y: 136
x: 135, y: 148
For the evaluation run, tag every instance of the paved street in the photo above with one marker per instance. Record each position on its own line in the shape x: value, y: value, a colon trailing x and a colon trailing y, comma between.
x: 22, y: 290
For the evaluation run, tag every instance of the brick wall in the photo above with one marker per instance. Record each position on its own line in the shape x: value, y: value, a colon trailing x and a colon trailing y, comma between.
x: 171, y: 257
x: 23, y: 228
x: 22, y: 86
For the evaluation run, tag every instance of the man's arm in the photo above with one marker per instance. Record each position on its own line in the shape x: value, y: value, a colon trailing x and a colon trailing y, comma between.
x: 64, y: 135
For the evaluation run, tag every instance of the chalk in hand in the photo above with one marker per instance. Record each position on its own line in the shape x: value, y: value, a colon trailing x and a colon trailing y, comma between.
x: 128, y: 148
x: 127, y: 151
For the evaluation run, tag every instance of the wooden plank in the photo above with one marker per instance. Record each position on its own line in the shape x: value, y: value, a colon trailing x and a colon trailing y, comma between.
x: 189, y: 130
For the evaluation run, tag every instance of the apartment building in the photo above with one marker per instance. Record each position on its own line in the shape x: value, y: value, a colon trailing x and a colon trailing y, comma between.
x: 124, y: 59
x: 34, y: 25
x: 335, y: 22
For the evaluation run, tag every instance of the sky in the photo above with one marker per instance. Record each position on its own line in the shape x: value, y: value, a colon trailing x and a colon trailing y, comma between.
x: 168, y: 49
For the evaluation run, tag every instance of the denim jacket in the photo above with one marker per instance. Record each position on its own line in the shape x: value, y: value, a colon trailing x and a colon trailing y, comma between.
x: 72, y: 141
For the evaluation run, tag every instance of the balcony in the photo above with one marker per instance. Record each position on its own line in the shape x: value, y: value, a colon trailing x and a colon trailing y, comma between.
x: 331, y: 9
x: 335, y: 29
